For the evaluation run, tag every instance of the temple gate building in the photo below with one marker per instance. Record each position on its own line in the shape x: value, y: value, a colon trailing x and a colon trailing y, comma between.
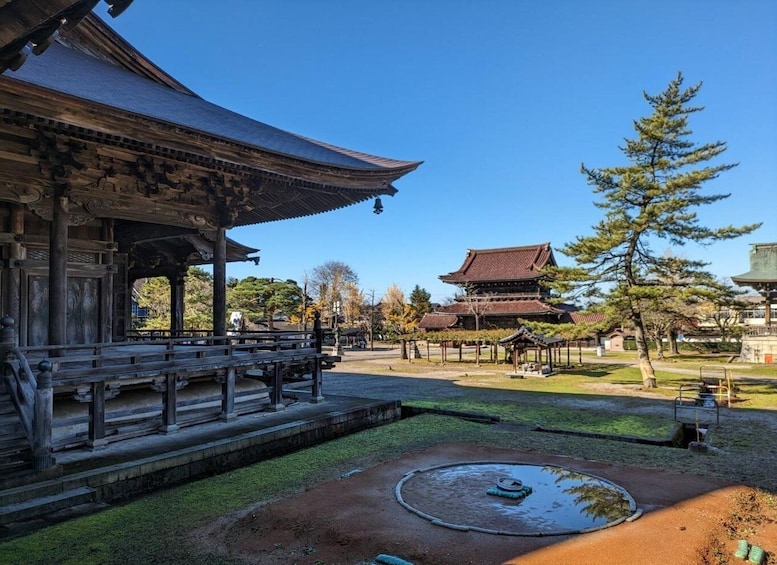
x: 499, y: 286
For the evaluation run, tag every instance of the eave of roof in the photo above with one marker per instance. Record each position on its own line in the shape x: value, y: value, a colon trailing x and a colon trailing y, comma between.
x: 505, y: 308
x: 755, y: 277
x: 437, y: 321
x: 27, y: 27
x: 523, y: 335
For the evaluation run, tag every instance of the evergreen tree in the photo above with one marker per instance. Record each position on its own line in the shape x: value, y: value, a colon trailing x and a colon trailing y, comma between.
x: 420, y: 302
x: 154, y: 294
x: 198, y: 299
x: 653, y: 197
x: 265, y: 298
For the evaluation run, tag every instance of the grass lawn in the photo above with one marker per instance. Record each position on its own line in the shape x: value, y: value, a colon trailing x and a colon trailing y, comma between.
x: 154, y: 529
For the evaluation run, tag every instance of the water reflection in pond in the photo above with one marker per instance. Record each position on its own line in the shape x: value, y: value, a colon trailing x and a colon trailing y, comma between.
x: 562, y: 501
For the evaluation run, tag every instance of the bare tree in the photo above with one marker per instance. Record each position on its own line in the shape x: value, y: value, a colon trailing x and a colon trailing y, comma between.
x: 328, y: 283
x: 478, y: 304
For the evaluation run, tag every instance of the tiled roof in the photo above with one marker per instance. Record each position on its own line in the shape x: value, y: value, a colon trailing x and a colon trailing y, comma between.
x: 506, y: 308
x: 763, y: 268
x: 580, y: 318
x: 523, y: 335
x: 436, y: 321
x: 502, y: 264
x: 77, y: 74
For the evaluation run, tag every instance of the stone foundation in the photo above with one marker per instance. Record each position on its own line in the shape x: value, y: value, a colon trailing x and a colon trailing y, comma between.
x: 759, y: 349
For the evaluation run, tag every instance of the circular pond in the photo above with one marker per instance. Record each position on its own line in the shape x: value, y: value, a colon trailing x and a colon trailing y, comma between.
x: 486, y: 497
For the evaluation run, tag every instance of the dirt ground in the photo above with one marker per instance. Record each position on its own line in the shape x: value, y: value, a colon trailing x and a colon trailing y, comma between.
x: 686, y: 520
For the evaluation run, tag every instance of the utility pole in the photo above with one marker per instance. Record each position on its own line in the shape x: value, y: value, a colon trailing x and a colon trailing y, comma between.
x: 372, y: 312
x: 305, y: 304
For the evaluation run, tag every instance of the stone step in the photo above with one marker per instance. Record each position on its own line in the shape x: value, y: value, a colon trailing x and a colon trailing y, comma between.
x: 43, y: 505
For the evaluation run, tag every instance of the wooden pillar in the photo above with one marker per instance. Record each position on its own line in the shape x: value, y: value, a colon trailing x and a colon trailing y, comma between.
x: 228, y: 395
x: 276, y: 393
x: 169, y: 403
x: 106, y: 321
x: 58, y: 272
x: 42, y: 448
x: 96, y: 437
x: 177, y: 304
x: 220, y: 283
x: 318, y: 373
x: 13, y: 289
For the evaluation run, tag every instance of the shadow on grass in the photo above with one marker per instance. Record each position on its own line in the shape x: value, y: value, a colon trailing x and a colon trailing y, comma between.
x: 594, y: 370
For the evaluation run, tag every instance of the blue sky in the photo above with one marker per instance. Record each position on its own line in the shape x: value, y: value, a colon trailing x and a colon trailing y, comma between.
x: 502, y: 100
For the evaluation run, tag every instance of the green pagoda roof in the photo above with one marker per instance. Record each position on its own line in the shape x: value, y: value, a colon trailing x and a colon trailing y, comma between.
x: 763, y: 268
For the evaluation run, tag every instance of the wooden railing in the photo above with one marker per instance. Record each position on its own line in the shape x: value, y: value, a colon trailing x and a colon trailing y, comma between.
x: 32, y: 397
x: 145, y: 335
x: 96, y: 372
x: 76, y: 365
x: 769, y: 330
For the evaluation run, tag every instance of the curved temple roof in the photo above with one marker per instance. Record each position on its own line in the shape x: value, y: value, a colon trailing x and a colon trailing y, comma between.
x: 94, y: 86
x: 100, y: 82
x: 762, y: 275
x: 506, y: 263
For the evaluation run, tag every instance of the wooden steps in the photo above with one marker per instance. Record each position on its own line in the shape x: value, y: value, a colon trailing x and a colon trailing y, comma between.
x: 15, y: 452
x: 45, y: 504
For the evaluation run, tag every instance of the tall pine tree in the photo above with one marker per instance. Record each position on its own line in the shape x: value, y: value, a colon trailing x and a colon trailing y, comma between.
x: 653, y: 197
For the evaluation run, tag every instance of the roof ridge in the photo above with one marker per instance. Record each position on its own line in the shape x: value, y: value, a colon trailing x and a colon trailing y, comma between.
x: 511, y: 248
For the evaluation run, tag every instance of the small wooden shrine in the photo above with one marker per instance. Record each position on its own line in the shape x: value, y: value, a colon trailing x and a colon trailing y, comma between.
x: 532, y: 354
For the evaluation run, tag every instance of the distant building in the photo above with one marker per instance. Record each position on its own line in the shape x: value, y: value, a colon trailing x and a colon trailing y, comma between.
x: 499, y: 286
x: 759, y: 344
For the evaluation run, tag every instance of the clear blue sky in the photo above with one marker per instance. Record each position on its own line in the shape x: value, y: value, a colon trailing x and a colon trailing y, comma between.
x: 502, y: 100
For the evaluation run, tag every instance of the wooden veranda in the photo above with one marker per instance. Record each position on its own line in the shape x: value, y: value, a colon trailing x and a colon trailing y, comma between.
x: 95, y: 374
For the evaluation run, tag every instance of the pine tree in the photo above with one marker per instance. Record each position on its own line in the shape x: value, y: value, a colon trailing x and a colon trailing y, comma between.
x: 420, y: 301
x: 653, y: 197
